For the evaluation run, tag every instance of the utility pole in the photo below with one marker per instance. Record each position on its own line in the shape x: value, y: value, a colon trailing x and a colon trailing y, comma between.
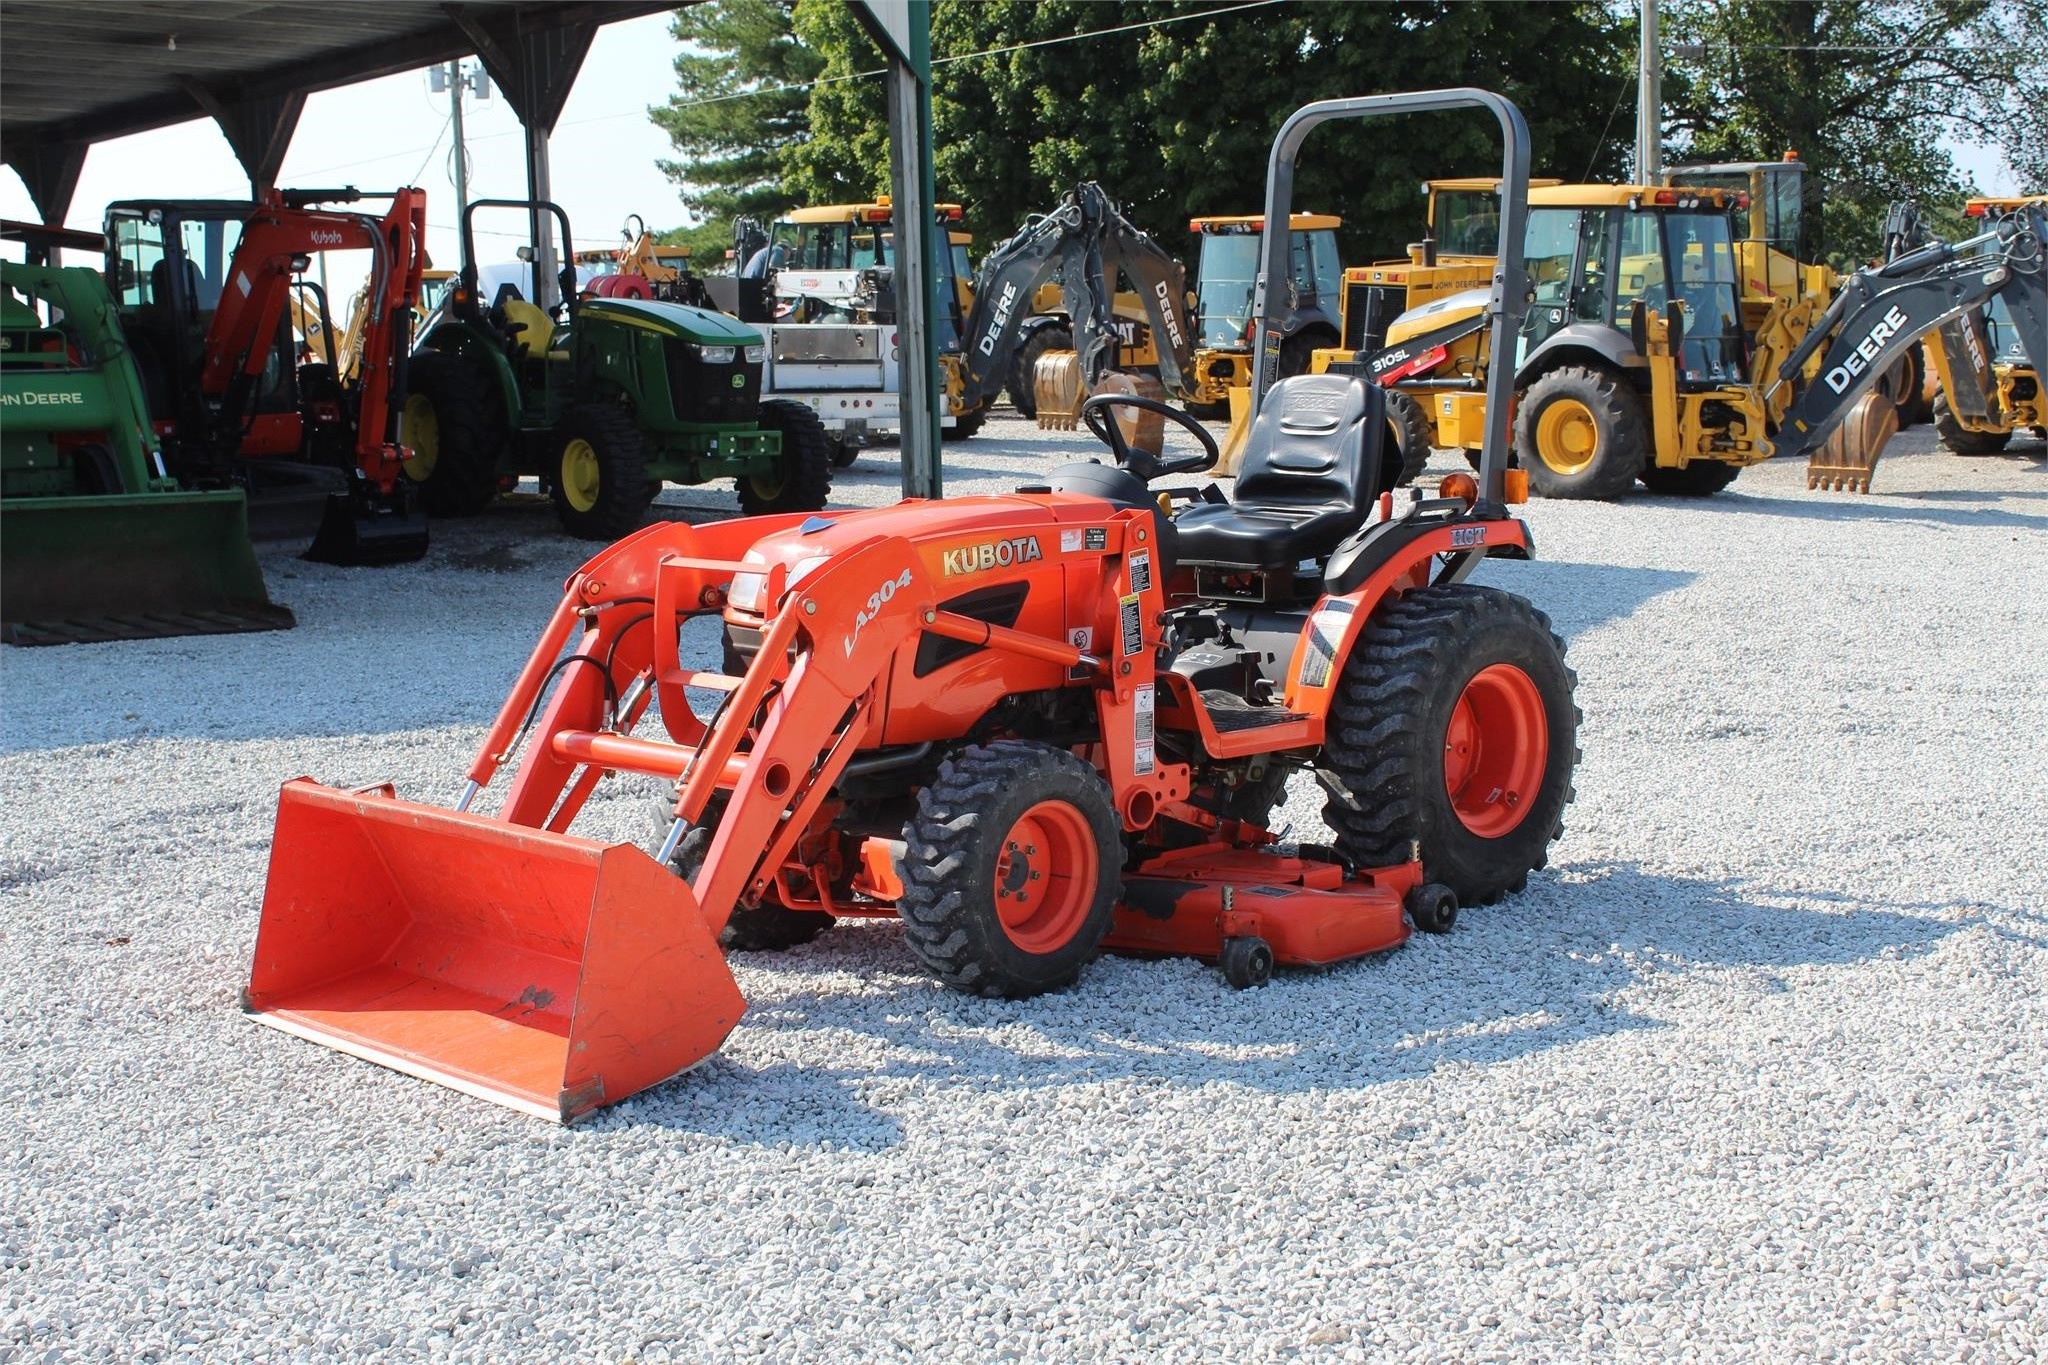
x: 462, y: 152
x: 1649, y: 102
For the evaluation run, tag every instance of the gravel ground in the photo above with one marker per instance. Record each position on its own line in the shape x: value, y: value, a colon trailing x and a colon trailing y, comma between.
x: 1754, y: 1071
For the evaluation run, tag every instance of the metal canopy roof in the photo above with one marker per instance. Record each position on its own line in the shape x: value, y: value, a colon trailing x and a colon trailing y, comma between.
x: 72, y: 74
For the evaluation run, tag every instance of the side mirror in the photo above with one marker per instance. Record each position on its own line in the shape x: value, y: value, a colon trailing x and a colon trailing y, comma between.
x: 525, y: 253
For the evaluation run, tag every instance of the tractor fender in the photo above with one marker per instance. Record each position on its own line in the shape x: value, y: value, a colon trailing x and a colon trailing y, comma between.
x: 1388, y: 559
x: 486, y: 354
x: 1579, y: 344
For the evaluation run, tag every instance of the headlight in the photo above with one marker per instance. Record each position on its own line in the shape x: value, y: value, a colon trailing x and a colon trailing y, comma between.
x: 746, y: 591
x: 716, y: 355
x: 756, y: 354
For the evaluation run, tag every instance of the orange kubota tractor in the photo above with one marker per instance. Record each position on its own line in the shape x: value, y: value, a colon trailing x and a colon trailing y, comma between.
x: 1031, y: 726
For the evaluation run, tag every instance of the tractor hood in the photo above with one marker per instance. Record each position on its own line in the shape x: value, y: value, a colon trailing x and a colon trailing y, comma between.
x: 700, y: 325
x: 1443, y: 312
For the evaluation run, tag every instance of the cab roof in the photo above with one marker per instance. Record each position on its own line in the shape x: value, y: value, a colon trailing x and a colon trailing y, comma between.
x: 1256, y: 222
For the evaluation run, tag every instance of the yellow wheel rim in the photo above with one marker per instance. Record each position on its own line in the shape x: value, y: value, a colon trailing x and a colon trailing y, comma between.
x: 768, y: 490
x: 1567, y: 437
x: 419, y: 430
x: 580, y: 474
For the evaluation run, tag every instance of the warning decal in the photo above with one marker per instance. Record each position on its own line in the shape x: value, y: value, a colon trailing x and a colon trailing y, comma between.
x: 1070, y: 540
x: 1141, y: 571
x: 1141, y: 730
x: 1325, y: 631
x: 1131, y: 624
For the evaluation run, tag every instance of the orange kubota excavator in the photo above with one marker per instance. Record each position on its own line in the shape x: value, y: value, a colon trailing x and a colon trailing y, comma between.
x: 204, y: 290
x: 1031, y: 726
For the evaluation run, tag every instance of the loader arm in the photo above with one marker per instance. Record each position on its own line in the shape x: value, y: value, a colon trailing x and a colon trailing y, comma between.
x: 1881, y: 312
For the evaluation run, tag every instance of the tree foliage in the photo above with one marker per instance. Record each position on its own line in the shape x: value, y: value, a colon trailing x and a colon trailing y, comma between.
x: 1178, y: 119
x: 1862, y: 90
x: 741, y: 104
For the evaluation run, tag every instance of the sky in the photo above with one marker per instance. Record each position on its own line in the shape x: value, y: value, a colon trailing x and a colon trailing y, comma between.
x: 383, y: 133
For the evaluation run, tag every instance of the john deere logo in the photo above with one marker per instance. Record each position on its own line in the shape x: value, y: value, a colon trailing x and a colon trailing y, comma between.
x: 739, y: 381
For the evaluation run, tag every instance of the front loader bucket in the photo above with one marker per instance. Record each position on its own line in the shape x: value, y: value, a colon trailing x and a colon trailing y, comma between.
x: 545, y: 972
x: 130, y: 566
x: 1057, y: 387
x: 1849, y: 457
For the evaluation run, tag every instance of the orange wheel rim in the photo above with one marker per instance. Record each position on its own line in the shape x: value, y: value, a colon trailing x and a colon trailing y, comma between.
x: 1046, y: 873
x: 1496, y: 750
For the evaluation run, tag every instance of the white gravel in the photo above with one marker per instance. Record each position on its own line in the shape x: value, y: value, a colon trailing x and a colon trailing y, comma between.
x: 1755, y: 1072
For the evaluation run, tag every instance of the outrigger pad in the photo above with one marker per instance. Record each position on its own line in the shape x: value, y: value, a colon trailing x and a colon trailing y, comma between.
x: 545, y: 972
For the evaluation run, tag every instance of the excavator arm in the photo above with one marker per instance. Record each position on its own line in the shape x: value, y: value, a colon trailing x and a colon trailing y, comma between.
x: 1087, y: 242
x: 1881, y: 312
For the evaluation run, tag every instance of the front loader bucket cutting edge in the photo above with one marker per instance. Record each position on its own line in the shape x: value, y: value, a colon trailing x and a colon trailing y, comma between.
x: 1848, y: 459
x: 1057, y: 388
x: 545, y: 972
x: 130, y: 566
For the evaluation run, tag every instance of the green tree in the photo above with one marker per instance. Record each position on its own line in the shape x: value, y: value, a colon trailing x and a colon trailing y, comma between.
x: 740, y: 109
x: 1861, y: 89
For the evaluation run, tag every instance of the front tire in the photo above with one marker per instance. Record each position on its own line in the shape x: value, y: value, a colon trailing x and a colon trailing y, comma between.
x: 1700, y: 479
x: 1009, y: 869
x: 1960, y: 439
x: 1581, y: 433
x: 600, y: 484
x: 803, y: 482
x: 1454, y: 731
x: 966, y: 424
x: 446, y: 421
x: 1408, y: 427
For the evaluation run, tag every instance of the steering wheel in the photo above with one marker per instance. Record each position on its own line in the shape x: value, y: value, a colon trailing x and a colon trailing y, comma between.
x: 1143, y: 463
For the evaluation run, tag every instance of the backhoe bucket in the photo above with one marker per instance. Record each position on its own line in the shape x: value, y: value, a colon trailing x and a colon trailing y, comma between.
x: 1141, y: 429
x: 1849, y: 457
x: 130, y: 566
x: 545, y: 972
x: 1057, y: 387
x: 354, y: 534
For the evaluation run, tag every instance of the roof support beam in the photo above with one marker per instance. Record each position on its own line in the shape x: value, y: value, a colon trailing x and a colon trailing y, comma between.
x: 258, y: 128
x: 49, y: 170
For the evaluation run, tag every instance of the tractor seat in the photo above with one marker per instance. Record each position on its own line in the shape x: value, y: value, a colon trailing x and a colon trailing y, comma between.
x: 530, y: 326
x: 1308, y: 477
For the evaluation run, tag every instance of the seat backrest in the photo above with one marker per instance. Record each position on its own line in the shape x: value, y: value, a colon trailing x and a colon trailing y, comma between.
x: 1316, y: 443
x: 533, y: 326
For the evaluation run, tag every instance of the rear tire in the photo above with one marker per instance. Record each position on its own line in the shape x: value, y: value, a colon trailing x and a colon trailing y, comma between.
x: 804, y: 482
x: 967, y: 424
x: 599, y: 473
x: 844, y: 453
x: 1409, y: 427
x: 1010, y: 871
x: 1960, y: 439
x: 447, y: 407
x: 1581, y: 433
x: 1700, y: 479
x: 1454, y: 730
x: 1051, y: 338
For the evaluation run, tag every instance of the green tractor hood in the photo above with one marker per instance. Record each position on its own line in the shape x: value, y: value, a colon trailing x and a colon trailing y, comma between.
x: 700, y: 325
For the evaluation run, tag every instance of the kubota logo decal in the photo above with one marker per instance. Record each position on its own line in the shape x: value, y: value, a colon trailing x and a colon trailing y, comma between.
x: 876, y: 600
x: 1886, y: 327
x: 328, y: 238
x: 994, y: 554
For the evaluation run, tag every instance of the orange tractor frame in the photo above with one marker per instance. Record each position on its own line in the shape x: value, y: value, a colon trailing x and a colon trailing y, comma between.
x: 1030, y: 726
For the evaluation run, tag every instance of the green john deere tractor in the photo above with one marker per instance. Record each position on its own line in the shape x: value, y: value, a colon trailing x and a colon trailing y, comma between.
x: 97, y: 541
x: 605, y: 406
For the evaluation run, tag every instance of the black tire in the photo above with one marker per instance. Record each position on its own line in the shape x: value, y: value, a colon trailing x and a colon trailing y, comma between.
x: 462, y: 477
x: 1914, y: 407
x: 957, y: 862
x: 1297, y: 353
x: 1619, y: 432
x: 1048, y: 338
x: 1408, y: 448
x: 1960, y: 439
x: 1392, y: 726
x: 1432, y: 908
x: 762, y: 929
x: 1207, y: 412
x: 598, y: 475
x: 1246, y: 963
x: 844, y: 453
x: 1700, y: 479
x: 966, y: 424
x: 805, y: 481
x: 94, y: 473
